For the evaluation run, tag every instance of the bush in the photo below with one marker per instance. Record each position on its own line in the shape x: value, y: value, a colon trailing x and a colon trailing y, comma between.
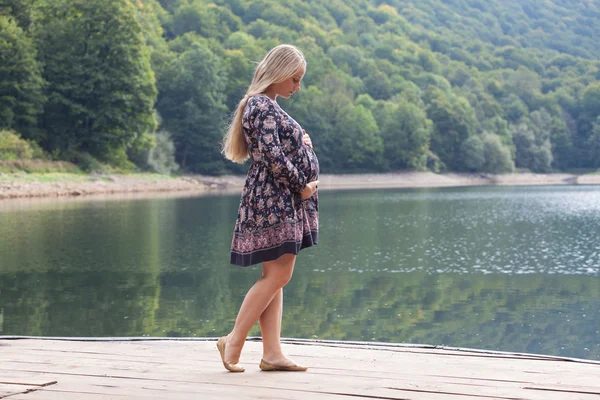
x: 473, y: 153
x: 12, y: 147
x: 117, y: 158
x: 38, y: 166
x: 115, y: 161
x: 162, y: 157
x: 139, y: 150
x: 497, y: 156
x: 37, y: 153
x: 87, y: 162
x: 434, y: 164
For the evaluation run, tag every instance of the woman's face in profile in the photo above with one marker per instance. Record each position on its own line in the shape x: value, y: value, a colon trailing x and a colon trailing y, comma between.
x: 286, y: 88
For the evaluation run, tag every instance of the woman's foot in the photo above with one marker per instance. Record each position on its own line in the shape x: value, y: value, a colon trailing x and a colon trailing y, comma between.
x: 233, y: 349
x: 230, y: 366
x: 280, y: 363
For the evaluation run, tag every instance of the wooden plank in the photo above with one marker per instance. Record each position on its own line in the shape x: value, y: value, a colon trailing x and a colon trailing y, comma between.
x: 209, y: 391
x: 382, y: 370
x: 208, y: 356
x: 172, y: 371
x: 16, y: 377
x: 9, y: 389
x: 263, y: 380
x: 562, y: 388
x: 212, y: 390
x: 185, y: 369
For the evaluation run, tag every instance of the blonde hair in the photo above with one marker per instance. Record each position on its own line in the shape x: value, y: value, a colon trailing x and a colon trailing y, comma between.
x: 281, y: 63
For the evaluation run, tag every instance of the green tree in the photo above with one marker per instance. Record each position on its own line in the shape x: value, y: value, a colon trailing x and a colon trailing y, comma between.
x: 532, y: 141
x: 191, y: 104
x: 21, y: 83
x: 208, y: 20
x: 590, y: 101
x: 169, y: 5
x: 526, y: 85
x: 240, y: 49
x: 20, y: 10
x: 406, y: 133
x: 594, y: 144
x: 524, y: 139
x: 321, y: 111
x: 473, y: 152
x: 151, y: 17
x: 589, y: 110
x: 454, y: 122
x: 497, y: 157
x: 346, y: 57
x: 101, y: 86
x: 514, y: 108
x: 378, y: 85
x: 360, y: 145
x: 561, y: 142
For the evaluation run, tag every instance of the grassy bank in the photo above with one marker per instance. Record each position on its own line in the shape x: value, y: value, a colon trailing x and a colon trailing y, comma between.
x: 57, y: 184
x: 44, y: 171
x: 38, y: 166
x: 62, y: 184
x: 64, y: 177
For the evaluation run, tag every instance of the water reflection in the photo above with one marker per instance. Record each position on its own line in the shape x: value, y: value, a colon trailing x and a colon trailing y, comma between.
x: 513, y: 269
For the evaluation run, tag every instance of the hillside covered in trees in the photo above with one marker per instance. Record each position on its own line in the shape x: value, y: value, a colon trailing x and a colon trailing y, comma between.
x: 456, y: 85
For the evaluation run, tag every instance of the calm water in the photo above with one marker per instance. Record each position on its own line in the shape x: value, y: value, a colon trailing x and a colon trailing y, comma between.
x: 514, y: 269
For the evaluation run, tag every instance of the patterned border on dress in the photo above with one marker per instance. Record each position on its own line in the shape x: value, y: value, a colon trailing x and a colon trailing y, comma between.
x: 270, y: 243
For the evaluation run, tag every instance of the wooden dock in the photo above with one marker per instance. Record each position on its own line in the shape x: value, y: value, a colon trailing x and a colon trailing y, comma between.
x: 36, y: 369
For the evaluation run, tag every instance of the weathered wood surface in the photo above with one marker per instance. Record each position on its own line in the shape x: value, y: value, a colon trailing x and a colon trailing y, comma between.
x: 33, y: 369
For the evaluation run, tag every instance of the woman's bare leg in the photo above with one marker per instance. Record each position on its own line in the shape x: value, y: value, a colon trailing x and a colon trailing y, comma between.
x: 275, y: 275
x: 270, y: 326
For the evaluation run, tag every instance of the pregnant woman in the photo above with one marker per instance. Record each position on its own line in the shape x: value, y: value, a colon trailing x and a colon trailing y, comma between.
x: 278, y: 212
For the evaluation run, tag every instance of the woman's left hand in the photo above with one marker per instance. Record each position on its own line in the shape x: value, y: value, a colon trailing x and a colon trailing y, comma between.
x: 306, y: 139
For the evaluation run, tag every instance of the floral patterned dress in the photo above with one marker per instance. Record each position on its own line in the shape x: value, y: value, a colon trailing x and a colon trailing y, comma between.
x: 272, y: 218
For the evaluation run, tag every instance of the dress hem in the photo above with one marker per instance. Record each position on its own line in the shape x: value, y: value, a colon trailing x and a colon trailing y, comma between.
x: 259, y: 256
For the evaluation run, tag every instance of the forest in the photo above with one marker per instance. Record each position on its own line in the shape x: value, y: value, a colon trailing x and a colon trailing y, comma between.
x: 458, y: 85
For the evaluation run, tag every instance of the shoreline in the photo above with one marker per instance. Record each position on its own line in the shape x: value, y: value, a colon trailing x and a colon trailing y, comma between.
x: 22, y: 185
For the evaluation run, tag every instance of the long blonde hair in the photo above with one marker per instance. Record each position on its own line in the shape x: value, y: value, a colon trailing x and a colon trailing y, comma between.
x: 281, y: 63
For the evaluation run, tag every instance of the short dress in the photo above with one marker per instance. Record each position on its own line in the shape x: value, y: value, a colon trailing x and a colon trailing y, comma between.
x: 272, y: 217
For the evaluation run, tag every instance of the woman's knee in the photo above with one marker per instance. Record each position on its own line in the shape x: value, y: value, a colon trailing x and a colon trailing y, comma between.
x: 279, y: 271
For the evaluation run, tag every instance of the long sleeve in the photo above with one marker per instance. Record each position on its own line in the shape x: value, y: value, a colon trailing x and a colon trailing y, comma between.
x: 265, y: 120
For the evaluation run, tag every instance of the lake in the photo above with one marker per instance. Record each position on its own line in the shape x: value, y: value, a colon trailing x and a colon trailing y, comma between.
x: 499, y: 268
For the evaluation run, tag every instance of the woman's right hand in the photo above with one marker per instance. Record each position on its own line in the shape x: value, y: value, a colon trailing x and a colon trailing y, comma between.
x: 309, y: 190
x: 306, y: 139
